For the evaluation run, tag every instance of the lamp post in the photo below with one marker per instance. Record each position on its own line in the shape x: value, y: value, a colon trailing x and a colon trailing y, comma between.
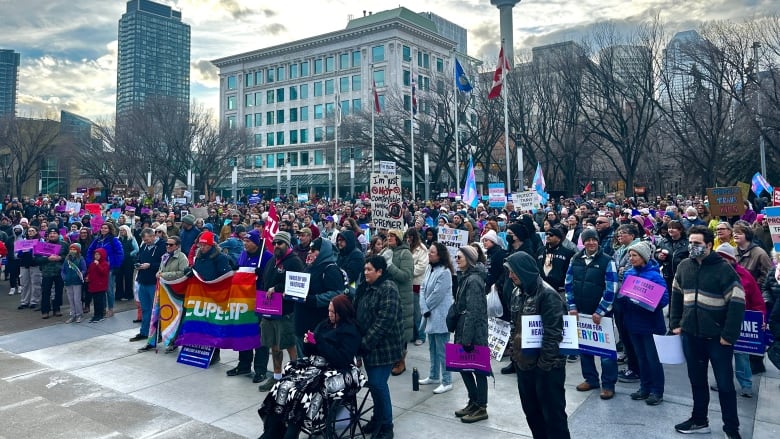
x: 762, y: 149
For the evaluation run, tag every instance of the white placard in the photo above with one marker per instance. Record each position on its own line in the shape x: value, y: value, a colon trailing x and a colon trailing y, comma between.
x: 386, y: 201
x: 296, y: 285
x: 533, y: 331
x: 525, y: 200
x: 498, y: 337
x: 669, y: 348
x: 453, y: 239
x: 73, y: 206
x: 596, y: 339
x: 386, y: 167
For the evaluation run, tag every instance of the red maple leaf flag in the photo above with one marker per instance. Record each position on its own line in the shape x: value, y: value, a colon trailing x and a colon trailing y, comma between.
x: 498, y: 76
x: 376, y: 100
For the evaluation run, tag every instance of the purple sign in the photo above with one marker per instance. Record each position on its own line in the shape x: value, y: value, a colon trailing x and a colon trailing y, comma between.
x: 268, y: 307
x: 647, y: 293
x: 145, y: 210
x: 96, y: 222
x: 751, y: 335
x: 24, y: 245
x: 458, y: 360
x: 46, y: 248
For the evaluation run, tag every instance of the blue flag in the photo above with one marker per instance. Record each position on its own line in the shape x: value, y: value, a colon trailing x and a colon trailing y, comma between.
x: 461, y: 81
x: 470, y: 195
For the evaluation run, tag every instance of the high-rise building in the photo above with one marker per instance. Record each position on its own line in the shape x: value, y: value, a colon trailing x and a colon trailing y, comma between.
x: 287, y: 96
x: 154, y: 56
x: 9, y: 76
x: 682, y: 56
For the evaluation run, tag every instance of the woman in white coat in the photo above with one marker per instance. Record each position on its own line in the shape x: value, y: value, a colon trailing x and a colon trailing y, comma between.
x: 435, y: 301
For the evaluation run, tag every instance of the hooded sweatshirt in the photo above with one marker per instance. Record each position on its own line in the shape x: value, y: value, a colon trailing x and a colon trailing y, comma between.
x: 350, y: 258
x: 97, y: 274
x: 326, y: 282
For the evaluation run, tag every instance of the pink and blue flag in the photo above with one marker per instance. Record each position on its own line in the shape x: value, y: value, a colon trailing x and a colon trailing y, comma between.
x: 470, y: 195
x: 759, y: 184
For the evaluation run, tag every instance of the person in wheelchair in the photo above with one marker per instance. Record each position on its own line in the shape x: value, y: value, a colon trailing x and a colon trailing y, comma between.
x: 326, y: 372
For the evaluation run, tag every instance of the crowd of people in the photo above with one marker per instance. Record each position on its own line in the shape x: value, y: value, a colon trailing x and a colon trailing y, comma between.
x: 570, y: 257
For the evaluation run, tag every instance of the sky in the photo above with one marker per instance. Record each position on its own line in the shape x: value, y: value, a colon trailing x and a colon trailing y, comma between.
x: 69, y: 48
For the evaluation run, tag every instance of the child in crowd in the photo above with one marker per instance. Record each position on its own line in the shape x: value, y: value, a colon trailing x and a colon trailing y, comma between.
x: 73, y: 278
x: 97, y: 278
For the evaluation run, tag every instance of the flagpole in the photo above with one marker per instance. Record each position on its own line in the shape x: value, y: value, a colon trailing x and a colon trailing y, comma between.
x: 506, y: 123
x: 411, y: 125
x: 457, y: 140
x: 373, y: 110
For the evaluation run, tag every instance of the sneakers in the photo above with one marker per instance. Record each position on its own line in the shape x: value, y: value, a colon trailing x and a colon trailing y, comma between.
x: 746, y: 393
x: 258, y: 378
x: 654, y: 399
x: 171, y: 348
x: 691, y: 427
x: 93, y: 320
x: 70, y: 320
x: 628, y: 376
x: 418, y: 342
x: 470, y: 407
x: 236, y: 372
x: 443, y: 388
x: 78, y: 319
x: 572, y: 358
x: 137, y: 337
x: 12, y: 291
x: 23, y: 306
x: 639, y: 396
x: 427, y: 381
x: 267, y: 385
x: 480, y: 414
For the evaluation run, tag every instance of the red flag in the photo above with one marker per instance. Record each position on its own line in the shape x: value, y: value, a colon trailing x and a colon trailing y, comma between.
x: 271, y: 227
x: 498, y: 76
x: 587, y: 189
x: 376, y: 100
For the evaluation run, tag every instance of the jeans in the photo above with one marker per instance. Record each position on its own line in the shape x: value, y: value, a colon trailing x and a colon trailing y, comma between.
x: 609, y: 371
x: 47, y: 303
x: 146, y: 297
x: 544, y: 402
x: 417, y: 333
x: 476, y: 385
x: 651, y: 371
x: 112, y: 289
x: 380, y: 393
x: 436, y: 351
x: 742, y: 371
x: 698, y: 353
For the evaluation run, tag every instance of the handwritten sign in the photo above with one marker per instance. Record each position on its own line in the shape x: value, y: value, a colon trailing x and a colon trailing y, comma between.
x: 296, y: 285
x: 46, y: 248
x: 647, y: 294
x: 597, y: 340
x: 725, y: 201
x: 73, y: 207
x: 533, y: 332
x: 453, y: 239
x: 496, y: 195
x: 525, y: 200
x: 498, y: 337
x: 386, y: 201
x: 751, y: 335
x: 268, y: 307
x: 24, y: 245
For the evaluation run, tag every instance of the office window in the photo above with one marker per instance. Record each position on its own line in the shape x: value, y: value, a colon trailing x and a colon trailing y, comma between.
x: 280, y: 73
x: 379, y: 78
x: 439, y: 86
x: 378, y: 53
x: 356, y: 105
x: 329, y: 109
x: 305, y: 68
x: 280, y: 137
x: 258, y: 161
x: 258, y: 140
x: 270, y: 75
x: 279, y: 95
x: 269, y: 118
x: 382, y: 102
x: 248, y: 120
x: 329, y: 87
x: 269, y: 97
x: 319, y: 157
x: 258, y: 119
x: 292, y: 158
x: 344, y: 61
x: 304, y: 158
x: 249, y: 100
x: 426, y: 84
x: 259, y: 77
x: 419, y: 59
x: 304, y: 91
x: 407, y: 53
x: 439, y: 65
x: 318, y: 111
x: 293, y: 115
x: 231, y: 102
x: 248, y: 161
x: 426, y: 61
x: 330, y: 64
x: 231, y: 83
x: 258, y: 98
x: 304, y: 135
x: 269, y: 139
x: 280, y: 160
x: 269, y: 160
x: 293, y: 71
x: 356, y: 83
x: 279, y: 116
x: 344, y: 109
x: 407, y: 103
x: 344, y: 84
x: 304, y: 113
x: 318, y: 134
x: 318, y: 66
x: 407, y: 78
x: 318, y: 88
x: 249, y: 80
x: 330, y: 133
x: 293, y: 93
x: 231, y: 121
x: 293, y: 137
x: 356, y: 58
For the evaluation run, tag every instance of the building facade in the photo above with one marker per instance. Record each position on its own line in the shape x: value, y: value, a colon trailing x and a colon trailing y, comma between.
x: 9, y: 79
x: 153, y: 57
x: 288, y: 96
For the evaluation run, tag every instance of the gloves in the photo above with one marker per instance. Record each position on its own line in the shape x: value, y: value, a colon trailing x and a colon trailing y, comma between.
x: 427, y: 314
x: 468, y: 348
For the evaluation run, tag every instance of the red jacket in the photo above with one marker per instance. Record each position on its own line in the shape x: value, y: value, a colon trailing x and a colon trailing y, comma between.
x: 754, y: 301
x: 97, y: 274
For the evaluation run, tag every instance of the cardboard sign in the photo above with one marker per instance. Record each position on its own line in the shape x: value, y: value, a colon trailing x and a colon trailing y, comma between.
x: 46, y: 248
x: 751, y: 335
x: 198, y: 356
x: 200, y: 212
x: 525, y: 200
x: 597, y: 340
x: 386, y: 201
x: 458, y: 360
x: 496, y: 195
x: 533, y: 332
x: 296, y: 285
x: 268, y: 307
x: 453, y: 239
x: 726, y: 201
x: 498, y: 337
x: 647, y: 294
x: 24, y: 245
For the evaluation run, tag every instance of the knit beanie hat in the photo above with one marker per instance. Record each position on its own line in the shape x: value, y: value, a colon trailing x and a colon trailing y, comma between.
x: 188, y: 219
x: 470, y: 253
x: 643, y: 249
x: 519, y: 230
x: 490, y: 235
x: 75, y: 246
x: 726, y: 250
x: 589, y: 234
x: 556, y: 231
x: 254, y: 236
x: 399, y: 235
x: 282, y: 236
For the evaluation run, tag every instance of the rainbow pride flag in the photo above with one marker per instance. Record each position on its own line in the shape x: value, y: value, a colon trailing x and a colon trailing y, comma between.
x: 168, y: 309
x: 221, y: 313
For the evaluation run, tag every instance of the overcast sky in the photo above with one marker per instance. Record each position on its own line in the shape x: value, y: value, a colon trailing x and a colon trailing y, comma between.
x: 68, y: 48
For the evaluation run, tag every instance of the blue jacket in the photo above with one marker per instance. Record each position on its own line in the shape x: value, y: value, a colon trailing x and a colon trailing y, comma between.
x: 638, y: 320
x: 73, y: 270
x: 188, y: 238
x: 113, y: 248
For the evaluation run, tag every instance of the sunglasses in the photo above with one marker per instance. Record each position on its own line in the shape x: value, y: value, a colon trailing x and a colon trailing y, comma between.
x: 602, y: 222
x: 168, y: 244
x: 279, y: 243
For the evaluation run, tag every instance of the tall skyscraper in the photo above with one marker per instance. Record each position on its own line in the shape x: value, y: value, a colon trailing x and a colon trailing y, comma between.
x: 9, y: 75
x: 154, y: 56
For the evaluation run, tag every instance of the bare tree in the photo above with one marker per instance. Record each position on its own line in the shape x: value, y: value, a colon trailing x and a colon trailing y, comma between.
x: 214, y: 148
x: 26, y: 143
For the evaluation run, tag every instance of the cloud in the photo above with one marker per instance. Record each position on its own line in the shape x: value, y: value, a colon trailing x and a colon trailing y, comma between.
x: 274, y: 28
x: 204, y: 73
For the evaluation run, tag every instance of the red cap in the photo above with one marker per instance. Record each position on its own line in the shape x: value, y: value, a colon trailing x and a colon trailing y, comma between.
x: 206, y: 238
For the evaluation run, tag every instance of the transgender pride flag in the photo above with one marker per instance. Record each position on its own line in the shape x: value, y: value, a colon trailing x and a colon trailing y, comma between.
x: 470, y: 195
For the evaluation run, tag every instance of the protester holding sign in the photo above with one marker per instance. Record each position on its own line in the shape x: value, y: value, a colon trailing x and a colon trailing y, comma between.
x: 641, y: 323
x: 51, y: 265
x: 707, y: 307
x: 540, y: 375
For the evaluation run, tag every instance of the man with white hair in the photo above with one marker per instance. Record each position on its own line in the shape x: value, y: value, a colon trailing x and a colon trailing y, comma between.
x: 692, y: 218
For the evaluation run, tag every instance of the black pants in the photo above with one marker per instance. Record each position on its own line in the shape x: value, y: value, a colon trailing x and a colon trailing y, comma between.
x: 476, y: 385
x: 257, y: 359
x: 124, y: 282
x: 47, y: 303
x: 100, y: 305
x: 632, y: 361
x: 12, y: 270
x: 274, y: 428
x: 544, y: 402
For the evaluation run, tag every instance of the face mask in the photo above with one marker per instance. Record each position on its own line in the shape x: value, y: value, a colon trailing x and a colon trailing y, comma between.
x: 696, y: 250
x: 17, y: 232
x: 502, y: 225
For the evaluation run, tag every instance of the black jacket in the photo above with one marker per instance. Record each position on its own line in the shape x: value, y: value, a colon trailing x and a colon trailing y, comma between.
x: 350, y: 258
x: 560, y: 257
x: 338, y: 345
x: 495, y: 268
x: 151, y: 254
x: 275, y: 274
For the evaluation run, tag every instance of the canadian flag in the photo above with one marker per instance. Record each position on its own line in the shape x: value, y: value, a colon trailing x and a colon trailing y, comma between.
x: 498, y: 76
x: 587, y: 189
x: 271, y: 227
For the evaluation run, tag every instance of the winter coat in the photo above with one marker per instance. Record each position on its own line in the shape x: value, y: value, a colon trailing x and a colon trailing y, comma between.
x: 755, y: 260
x: 402, y: 271
x: 420, y: 258
x: 753, y: 299
x: 174, y: 267
x: 495, y: 268
x: 113, y: 249
x: 471, y: 306
x: 326, y: 282
x: 129, y: 249
x: 338, y: 345
x: 436, y: 298
x: 763, y: 237
x: 380, y: 321
x: 212, y: 264
x: 150, y: 254
x: 534, y: 296
x: 678, y: 251
x: 591, y: 288
x: 275, y: 274
x: 51, y: 268
x: 73, y: 270
x: 555, y: 273
x: 97, y: 274
x: 350, y: 258
x: 639, y: 320
x: 188, y: 238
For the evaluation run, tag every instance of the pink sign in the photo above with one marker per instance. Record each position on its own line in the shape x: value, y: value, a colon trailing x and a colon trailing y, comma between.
x: 647, y: 293
x: 458, y: 360
x: 96, y: 222
x: 93, y: 208
x: 145, y: 210
x: 268, y: 307
x: 24, y: 245
x: 46, y: 248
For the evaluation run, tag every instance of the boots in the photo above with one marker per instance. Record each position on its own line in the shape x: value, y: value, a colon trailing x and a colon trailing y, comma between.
x: 477, y: 415
x: 470, y: 407
x: 400, y: 366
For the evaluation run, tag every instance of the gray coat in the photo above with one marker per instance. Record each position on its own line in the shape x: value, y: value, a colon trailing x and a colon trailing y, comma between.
x: 436, y: 297
x: 402, y: 272
x: 471, y: 304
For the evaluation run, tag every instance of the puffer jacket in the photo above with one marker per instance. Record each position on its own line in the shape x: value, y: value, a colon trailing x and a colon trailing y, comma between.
x: 420, y: 258
x: 402, y: 271
x: 113, y: 249
x: 436, y: 298
x: 471, y: 306
x: 379, y: 317
x: 534, y: 296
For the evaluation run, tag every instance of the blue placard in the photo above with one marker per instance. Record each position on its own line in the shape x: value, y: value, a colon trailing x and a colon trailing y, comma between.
x: 752, y: 337
x: 198, y: 356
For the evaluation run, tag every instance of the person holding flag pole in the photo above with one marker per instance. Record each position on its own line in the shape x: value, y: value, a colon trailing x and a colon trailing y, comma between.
x: 413, y: 112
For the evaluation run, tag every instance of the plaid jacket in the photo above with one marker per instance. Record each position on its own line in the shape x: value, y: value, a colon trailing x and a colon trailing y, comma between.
x: 380, y: 321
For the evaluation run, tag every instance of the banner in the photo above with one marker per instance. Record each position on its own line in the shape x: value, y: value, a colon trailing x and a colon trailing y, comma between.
x: 751, y: 335
x: 296, y: 285
x: 496, y: 195
x: 453, y: 239
x: 386, y: 201
x: 725, y: 201
x: 533, y: 332
x: 171, y: 298
x: 498, y: 337
x: 598, y: 340
x: 458, y: 360
x: 525, y: 201
x: 221, y: 313
x: 647, y: 294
